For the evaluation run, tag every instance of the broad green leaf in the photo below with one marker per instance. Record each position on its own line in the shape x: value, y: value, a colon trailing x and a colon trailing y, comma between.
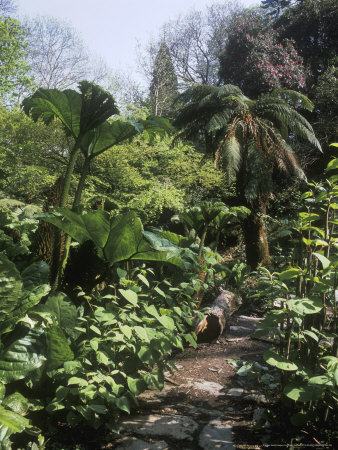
x: 77, y: 381
x: 284, y: 233
x: 126, y: 330
x: 142, y: 333
x: 16, y: 402
x: 155, y: 248
x: 306, y: 195
x: 121, y: 273
x: 94, y: 343
x: 23, y: 355
x: 97, y: 106
x: 189, y: 338
x: 102, y: 358
x: 72, y: 367
x: 10, y: 423
x: 117, y: 238
x: 73, y: 419
x: 136, y: 385
x: 320, y: 242
x: 46, y: 104
x: 290, y: 273
x: 61, y: 393
x: 322, y: 380
x: 152, y: 311
x: 148, y: 356
x: 302, y: 392
x: 64, y: 310
x: 105, y: 317
x: 312, y: 228
x: 143, y: 279
x: 26, y: 303
x: 95, y: 329
x: 58, y: 349
x: 10, y: 286
x: 79, y: 113
x: 307, y: 242
x: 130, y: 296
x: 122, y: 403
x: 167, y: 322
x: 100, y: 139
x: 278, y: 361
x: 54, y: 406
x: 35, y: 275
x: 100, y: 409
x: 309, y: 217
x: 176, y: 239
x: 325, y: 262
x: 333, y: 164
x: 311, y: 334
x: 159, y: 291
x: 303, y: 306
x: 85, y: 412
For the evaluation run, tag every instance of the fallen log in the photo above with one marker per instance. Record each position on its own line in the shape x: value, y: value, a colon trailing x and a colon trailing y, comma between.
x: 212, y: 325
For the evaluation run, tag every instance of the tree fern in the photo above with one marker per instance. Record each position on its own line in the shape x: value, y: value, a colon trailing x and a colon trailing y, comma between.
x: 250, y: 139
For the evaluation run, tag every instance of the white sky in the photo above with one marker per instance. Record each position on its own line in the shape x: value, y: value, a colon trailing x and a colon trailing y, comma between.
x: 111, y: 28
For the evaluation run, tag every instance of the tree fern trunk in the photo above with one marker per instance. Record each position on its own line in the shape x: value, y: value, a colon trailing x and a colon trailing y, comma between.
x: 256, y: 240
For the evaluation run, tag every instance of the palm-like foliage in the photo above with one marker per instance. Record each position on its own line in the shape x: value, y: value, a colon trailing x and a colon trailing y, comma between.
x: 246, y: 136
x: 249, y: 138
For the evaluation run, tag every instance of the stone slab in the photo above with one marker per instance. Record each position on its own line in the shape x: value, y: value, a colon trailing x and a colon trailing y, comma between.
x: 155, y: 425
x: 138, y: 444
x: 212, y: 388
x: 216, y: 435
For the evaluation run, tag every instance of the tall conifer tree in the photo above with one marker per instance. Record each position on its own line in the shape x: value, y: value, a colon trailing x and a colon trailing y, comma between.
x: 163, y: 86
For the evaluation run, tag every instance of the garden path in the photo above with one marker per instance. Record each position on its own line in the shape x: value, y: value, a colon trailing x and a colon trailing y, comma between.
x: 204, y: 404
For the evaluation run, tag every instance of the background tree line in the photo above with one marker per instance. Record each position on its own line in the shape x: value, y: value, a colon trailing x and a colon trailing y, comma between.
x: 279, y: 45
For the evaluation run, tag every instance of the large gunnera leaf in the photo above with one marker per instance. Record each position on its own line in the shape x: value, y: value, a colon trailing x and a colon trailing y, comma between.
x: 10, y: 423
x: 19, y: 293
x: 58, y: 349
x: 10, y: 285
x: 23, y: 355
x: 117, y: 238
x: 24, y: 304
x: 35, y: 275
x: 64, y: 311
x: 79, y: 112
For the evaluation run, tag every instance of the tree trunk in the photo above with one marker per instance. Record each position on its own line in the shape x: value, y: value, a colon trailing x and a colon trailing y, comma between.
x: 213, y: 323
x: 256, y: 240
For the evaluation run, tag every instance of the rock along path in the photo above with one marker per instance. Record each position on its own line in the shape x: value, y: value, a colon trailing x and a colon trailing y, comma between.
x: 203, y: 405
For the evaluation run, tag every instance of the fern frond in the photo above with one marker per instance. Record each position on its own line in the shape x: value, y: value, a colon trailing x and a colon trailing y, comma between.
x: 219, y: 120
x: 232, y: 154
x: 294, y: 98
x: 196, y: 93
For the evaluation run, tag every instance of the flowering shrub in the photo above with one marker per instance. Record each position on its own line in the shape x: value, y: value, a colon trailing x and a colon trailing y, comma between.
x: 276, y: 65
x: 255, y: 59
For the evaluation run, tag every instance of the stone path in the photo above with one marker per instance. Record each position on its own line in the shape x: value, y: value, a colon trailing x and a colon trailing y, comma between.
x: 203, y: 403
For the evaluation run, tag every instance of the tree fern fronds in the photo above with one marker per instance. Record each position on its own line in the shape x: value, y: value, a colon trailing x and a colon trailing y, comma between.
x: 294, y: 98
x: 232, y: 154
x: 195, y: 93
x: 303, y: 132
x: 259, y: 176
x: 229, y: 90
x: 218, y: 120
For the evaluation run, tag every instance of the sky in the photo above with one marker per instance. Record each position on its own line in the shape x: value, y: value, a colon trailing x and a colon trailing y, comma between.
x: 111, y: 28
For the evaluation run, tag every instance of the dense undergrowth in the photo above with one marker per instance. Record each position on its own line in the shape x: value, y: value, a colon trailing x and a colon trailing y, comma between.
x: 300, y: 322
